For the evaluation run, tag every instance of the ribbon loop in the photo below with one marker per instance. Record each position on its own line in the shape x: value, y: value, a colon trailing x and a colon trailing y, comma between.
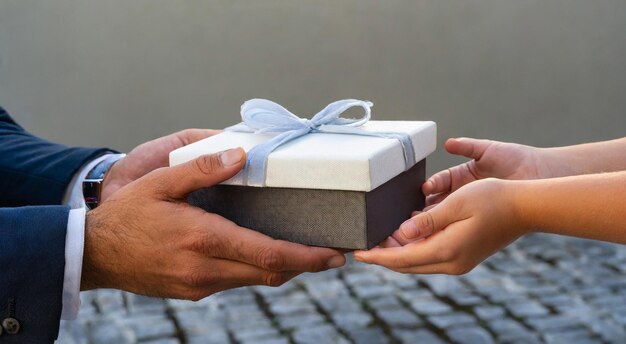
x: 262, y: 115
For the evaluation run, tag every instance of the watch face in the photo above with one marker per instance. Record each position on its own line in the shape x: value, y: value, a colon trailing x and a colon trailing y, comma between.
x: 91, y: 192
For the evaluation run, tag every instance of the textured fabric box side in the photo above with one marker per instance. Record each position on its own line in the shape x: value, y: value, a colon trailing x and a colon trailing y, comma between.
x: 329, y: 218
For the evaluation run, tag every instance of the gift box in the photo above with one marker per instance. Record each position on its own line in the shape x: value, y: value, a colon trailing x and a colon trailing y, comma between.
x: 328, y: 181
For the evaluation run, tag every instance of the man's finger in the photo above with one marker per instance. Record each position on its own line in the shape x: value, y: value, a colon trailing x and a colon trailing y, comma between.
x: 207, y: 170
x: 189, y: 136
x: 221, y: 274
x: 254, y: 248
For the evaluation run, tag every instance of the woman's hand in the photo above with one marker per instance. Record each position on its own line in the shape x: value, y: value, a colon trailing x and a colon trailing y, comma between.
x: 490, y: 159
x: 454, y: 236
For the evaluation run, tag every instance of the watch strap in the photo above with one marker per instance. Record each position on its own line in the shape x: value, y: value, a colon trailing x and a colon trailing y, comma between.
x: 92, y: 185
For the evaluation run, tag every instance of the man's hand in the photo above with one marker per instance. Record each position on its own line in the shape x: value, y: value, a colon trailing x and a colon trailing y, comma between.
x: 490, y: 159
x: 454, y: 236
x: 147, y: 239
x: 148, y: 157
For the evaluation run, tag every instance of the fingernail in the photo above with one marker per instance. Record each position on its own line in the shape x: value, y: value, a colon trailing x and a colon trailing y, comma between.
x: 231, y: 156
x: 335, y: 262
x: 409, y: 229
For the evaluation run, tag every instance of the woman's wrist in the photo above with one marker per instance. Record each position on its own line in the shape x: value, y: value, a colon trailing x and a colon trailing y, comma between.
x: 555, y: 162
x: 520, y: 198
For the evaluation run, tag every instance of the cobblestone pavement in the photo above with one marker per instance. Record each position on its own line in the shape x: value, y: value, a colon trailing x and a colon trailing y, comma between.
x: 542, y: 289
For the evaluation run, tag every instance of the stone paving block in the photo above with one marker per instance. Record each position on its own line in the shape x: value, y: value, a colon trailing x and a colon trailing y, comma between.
x: 288, y: 322
x: 607, y: 330
x: 72, y: 332
x: 540, y: 290
x: 502, y: 295
x: 470, y: 335
x: 143, y: 304
x: 609, y: 301
x: 319, y: 277
x: 508, y: 266
x: 557, y: 300
x: 273, y: 292
x: 526, y: 281
x: 552, y: 323
x: 347, y: 320
x: 575, y: 308
x: 620, y: 319
x: 527, y: 309
x: 161, y: 341
x: 213, y: 337
x: 614, y: 282
x: 443, y: 285
x: 507, y: 328
x: 244, y: 333
x: 339, y: 304
x: 109, y: 300
x: 570, y: 336
x: 368, y: 336
x: 290, y: 306
x: 402, y: 281
x: 276, y: 340
x: 451, y: 320
x: 106, y: 332
x: 430, y: 306
x: 384, y: 302
x: 466, y: 299
x: 398, y: 318
x: 592, y: 291
x: 249, y: 325
x: 409, y: 295
x: 362, y: 278
x: 417, y: 336
x: 370, y: 291
x: 198, y: 321
x: 520, y: 338
x: 319, y: 334
x: 233, y: 297
x: 327, y: 289
x: 150, y: 327
x: 489, y: 312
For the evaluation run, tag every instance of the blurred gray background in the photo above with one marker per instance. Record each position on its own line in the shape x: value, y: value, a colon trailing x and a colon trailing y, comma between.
x: 119, y: 72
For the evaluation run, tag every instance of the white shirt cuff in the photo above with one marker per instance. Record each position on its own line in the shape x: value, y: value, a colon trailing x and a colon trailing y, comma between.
x: 75, y: 241
x: 74, y: 244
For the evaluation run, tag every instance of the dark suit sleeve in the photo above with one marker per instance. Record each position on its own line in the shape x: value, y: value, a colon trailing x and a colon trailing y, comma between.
x: 34, y: 171
x: 32, y: 256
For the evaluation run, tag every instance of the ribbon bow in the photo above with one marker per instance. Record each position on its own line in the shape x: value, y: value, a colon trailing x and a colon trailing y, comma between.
x: 265, y: 116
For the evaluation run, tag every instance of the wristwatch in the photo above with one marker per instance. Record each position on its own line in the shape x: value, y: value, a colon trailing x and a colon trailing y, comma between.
x: 92, y: 185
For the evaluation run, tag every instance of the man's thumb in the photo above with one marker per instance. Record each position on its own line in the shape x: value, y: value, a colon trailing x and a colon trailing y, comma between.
x: 204, y: 171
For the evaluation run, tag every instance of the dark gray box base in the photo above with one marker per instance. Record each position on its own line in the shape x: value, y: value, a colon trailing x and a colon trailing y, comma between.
x: 330, y: 218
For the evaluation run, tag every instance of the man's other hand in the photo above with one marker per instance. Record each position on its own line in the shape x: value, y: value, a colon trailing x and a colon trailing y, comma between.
x: 145, y: 238
x: 147, y: 157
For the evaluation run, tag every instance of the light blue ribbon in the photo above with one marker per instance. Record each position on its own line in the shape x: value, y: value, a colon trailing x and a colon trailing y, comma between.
x: 265, y: 116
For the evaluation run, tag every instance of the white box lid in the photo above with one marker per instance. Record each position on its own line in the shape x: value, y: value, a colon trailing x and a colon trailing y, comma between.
x: 325, y: 160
